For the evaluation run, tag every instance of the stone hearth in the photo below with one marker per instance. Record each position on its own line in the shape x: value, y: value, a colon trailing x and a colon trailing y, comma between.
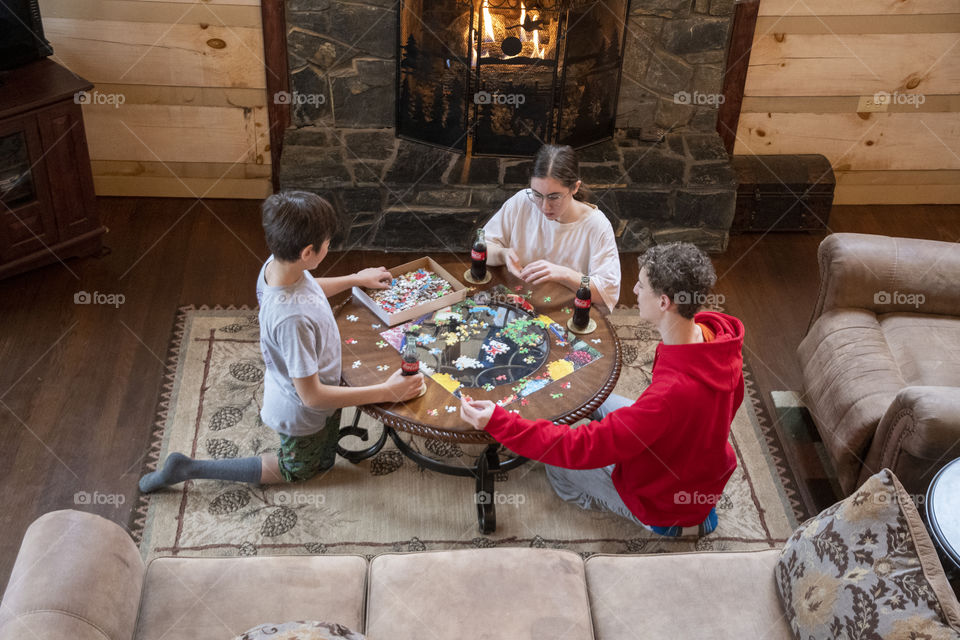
x: 665, y: 175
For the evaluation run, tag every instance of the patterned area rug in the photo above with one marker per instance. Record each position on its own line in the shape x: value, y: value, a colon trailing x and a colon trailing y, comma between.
x: 209, y: 408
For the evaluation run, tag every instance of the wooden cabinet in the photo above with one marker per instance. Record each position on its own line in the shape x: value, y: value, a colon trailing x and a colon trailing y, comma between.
x: 47, y: 205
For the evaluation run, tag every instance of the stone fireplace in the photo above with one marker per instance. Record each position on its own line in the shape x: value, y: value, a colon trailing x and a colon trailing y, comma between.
x: 655, y: 164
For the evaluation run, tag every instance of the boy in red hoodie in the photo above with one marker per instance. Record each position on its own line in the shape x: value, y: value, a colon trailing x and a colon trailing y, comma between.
x: 663, y: 459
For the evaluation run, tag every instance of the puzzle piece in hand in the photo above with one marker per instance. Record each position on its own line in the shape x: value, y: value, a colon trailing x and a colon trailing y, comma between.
x: 352, y: 318
x: 356, y: 364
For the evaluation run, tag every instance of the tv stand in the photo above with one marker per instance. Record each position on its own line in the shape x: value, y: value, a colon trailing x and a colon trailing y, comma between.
x: 47, y: 204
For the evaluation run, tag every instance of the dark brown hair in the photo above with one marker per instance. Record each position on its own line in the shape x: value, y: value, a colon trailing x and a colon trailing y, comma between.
x: 294, y: 220
x: 560, y: 163
x: 682, y: 272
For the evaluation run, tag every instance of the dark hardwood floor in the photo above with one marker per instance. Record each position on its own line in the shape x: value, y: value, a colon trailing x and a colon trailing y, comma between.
x: 79, y: 383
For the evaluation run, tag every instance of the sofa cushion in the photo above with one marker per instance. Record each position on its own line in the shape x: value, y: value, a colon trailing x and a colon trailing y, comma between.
x: 866, y: 568
x: 200, y: 598
x: 300, y: 630
x: 689, y: 595
x: 850, y: 378
x: 515, y: 593
x: 926, y: 348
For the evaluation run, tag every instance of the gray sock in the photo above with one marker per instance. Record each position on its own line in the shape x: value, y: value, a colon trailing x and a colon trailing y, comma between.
x: 179, y: 467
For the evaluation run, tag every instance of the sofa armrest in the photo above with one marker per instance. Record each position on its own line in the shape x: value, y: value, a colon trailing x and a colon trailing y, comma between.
x: 77, y: 576
x: 916, y: 436
x: 885, y: 275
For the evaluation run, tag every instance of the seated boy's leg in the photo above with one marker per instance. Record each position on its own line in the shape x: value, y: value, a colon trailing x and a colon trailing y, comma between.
x: 302, y: 457
x: 589, y: 489
x: 179, y: 468
x: 611, y: 404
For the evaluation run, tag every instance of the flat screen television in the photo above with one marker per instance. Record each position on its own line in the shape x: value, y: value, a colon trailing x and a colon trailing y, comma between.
x: 21, y: 34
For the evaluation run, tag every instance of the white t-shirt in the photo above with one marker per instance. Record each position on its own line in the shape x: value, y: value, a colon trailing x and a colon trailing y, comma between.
x: 298, y: 338
x: 587, y: 245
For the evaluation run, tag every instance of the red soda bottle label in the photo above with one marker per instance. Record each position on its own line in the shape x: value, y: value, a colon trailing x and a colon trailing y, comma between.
x: 478, y: 255
x: 581, y: 304
x: 410, y: 368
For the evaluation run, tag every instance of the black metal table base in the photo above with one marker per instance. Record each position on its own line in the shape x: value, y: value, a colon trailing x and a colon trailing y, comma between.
x: 486, y: 466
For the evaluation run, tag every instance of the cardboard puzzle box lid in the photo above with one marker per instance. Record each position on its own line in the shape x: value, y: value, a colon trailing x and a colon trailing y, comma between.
x: 459, y: 293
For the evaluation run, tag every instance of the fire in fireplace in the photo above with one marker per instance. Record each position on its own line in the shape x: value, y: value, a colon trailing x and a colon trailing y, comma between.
x: 501, y: 77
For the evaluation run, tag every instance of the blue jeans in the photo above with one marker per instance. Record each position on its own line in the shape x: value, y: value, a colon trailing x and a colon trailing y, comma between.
x: 592, y: 489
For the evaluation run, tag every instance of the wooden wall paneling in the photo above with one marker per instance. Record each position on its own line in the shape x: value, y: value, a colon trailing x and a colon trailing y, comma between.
x: 875, y: 141
x: 818, y: 65
x: 856, y: 7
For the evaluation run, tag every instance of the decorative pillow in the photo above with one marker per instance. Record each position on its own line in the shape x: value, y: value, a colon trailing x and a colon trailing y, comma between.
x: 866, y: 568
x: 301, y: 630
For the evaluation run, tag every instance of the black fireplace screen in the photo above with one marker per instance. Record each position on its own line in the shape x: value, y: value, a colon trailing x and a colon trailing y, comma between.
x: 501, y: 77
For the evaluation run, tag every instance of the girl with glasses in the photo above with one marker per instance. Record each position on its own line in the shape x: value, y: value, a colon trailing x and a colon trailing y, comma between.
x: 548, y: 233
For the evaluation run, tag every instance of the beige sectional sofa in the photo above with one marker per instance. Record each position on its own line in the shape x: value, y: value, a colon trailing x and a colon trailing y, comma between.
x: 81, y: 577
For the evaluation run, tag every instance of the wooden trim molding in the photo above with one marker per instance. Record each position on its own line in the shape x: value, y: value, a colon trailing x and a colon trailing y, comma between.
x: 273, y: 13
x: 735, y: 75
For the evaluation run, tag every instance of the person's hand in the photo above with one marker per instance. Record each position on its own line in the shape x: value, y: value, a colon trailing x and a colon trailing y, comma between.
x: 374, y: 278
x: 540, y: 271
x: 476, y: 413
x: 512, y: 261
x: 400, y: 387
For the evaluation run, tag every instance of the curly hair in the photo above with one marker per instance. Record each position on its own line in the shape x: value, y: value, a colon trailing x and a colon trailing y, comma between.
x: 682, y: 272
x: 294, y: 220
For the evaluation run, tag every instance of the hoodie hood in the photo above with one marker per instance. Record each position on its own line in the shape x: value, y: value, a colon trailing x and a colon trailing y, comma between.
x: 718, y: 364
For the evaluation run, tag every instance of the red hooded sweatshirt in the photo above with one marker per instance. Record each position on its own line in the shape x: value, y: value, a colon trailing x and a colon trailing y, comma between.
x: 671, y: 447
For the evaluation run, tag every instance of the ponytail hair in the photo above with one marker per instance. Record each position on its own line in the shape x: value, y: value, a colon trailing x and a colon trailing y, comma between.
x: 560, y: 163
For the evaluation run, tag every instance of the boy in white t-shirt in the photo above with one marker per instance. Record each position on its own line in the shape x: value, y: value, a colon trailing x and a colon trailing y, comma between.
x: 547, y: 233
x: 300, y: 342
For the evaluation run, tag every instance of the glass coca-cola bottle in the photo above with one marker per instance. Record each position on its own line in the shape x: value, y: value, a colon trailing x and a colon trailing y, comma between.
x: 410, y: 361
x: 478, y: 257
x: 581, y: 311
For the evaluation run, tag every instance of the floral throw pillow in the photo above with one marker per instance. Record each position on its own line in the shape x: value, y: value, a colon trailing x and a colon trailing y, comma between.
x: 301, y: 630
x: 866, y: 568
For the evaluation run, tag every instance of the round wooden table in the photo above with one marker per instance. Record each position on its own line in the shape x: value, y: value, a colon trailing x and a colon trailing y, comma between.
x: 365, y: 355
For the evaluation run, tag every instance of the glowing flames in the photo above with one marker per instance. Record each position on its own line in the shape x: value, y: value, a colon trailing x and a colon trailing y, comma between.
x: 496, y: 27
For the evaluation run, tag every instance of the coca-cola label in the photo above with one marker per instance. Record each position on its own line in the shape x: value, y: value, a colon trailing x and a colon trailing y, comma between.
x: 478, y: 255
x: 410, y: 367
x: 581, y: 304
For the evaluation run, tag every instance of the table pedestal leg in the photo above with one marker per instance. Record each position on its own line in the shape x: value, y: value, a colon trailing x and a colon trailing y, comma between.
x: 488, y: 463
x: 364, y: 435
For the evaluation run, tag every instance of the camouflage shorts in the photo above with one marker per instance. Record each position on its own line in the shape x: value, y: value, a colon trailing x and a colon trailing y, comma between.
x: 302, y: 457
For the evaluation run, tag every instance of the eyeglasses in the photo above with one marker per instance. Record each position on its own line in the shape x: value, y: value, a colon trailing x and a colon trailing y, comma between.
x: 537, y: 198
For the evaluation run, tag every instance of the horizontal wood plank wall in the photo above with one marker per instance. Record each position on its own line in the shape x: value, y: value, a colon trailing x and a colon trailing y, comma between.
x: 179, y: 107
x: 813, y: 61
